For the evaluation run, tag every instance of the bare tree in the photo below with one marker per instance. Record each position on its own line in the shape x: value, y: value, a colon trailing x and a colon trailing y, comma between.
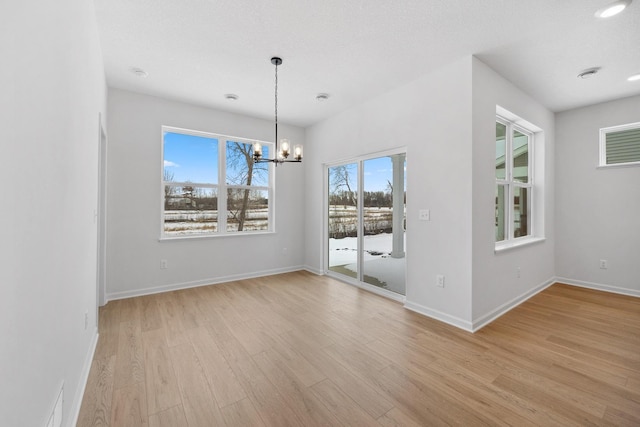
x: 240, y: 162
x: 169, y: 191
x: 341, y: 179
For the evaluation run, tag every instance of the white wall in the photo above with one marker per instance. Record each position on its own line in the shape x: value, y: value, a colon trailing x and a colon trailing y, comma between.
x: 446, y: 119
x: 52, y: 93
x: 431, y: 117
x: 134, y: 200
x: 495, y: 280
x: 597, y: 210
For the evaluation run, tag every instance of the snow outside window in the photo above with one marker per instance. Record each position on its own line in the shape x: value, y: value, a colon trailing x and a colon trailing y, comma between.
x: 211, y: 186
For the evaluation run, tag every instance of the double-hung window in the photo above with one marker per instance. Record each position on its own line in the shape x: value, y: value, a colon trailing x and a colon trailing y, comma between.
x: 211, y: 186
x: 514, y: 181
x: 620, y: 145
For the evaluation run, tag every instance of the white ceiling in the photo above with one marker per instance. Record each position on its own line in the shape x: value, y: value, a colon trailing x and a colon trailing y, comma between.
x: 199, y: 50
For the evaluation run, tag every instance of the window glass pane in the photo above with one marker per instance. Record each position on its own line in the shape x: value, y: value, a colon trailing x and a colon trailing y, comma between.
x: 520, y: 157
x: 190, y: 210
x: 189, y: 158
x: 343, y: 219
x: 501, y: 133
x: 241, y: 170
x: 383, y: 199
x: 247, y: 209
x: 500, y: 212
x: 623, y: 146
x: 521, y: 211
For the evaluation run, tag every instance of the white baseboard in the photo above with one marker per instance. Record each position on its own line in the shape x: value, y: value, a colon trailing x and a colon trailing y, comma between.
x: 74, y: 411
x: 196, y: 283
x: 438, y: 315
x: 598, y: 286
x: 313, y: 270
x: 489, y: 317
x: 484, y: 320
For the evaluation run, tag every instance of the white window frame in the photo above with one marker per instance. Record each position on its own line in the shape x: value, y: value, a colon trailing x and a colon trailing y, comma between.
x: 222, y: 186
x: 603, y: 145
x: 510, y: 185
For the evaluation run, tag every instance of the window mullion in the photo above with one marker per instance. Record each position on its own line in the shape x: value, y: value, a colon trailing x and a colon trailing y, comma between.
x: 222, y: 188
x: 509, y: 177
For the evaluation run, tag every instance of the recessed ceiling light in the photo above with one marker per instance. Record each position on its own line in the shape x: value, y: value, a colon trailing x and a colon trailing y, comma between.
x: 612, y: 9
x: 589, y: 73
x: 231, y: 96
x: 139, y: 72
x: 321, y: 97
x: 634, y: 78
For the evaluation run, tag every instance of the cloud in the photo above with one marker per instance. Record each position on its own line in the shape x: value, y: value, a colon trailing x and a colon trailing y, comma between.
x: 169, y: 164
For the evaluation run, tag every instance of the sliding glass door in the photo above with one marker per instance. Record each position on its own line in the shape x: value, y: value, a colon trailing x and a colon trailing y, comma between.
x: 343, y: 219
x: 366, y: 221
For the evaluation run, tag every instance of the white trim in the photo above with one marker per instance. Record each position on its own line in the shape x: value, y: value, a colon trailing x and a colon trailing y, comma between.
x: 74, y: 411
x: 313, y: 270
x: 197, y: 283
x: 602, y: 145
x: 598, y: 286
x: 619, y: 165
x: 489, y: 317
x: 101, y: 210
x: 505, y: 245
x: 214, y: 236
x: 438, y: 315
x: 220, y: 186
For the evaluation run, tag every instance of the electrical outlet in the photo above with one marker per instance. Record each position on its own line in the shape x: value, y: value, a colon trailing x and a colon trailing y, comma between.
x: 424, y: 215
x: 604, y: 264
x: 86, y: 319
x: 440, y: 281
x: 163, y: 264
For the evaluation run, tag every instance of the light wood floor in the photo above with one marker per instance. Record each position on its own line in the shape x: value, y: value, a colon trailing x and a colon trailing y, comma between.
x: 304, y: 350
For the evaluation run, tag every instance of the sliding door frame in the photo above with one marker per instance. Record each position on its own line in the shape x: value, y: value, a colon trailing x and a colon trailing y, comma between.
x: 358, y: 281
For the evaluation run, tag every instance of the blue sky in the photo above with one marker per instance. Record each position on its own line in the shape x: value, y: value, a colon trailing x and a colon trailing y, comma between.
x: 194, y: 158
x: 377, y: 173
x: 191, y: 158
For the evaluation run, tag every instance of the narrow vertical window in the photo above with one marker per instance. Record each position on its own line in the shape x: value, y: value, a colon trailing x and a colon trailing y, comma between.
x: 514, y: 181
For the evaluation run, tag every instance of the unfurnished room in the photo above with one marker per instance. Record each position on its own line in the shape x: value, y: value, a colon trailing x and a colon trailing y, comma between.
x: 337, y: 213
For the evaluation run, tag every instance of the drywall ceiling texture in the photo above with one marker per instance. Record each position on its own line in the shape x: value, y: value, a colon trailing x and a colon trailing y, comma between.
x: 54, y: 92
x: 596, y: 209
x: 508, y: 277
x: 134, y: 250
x: 355, y: 50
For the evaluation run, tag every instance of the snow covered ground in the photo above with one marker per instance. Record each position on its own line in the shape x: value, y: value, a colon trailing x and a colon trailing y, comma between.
x: 389, y: 271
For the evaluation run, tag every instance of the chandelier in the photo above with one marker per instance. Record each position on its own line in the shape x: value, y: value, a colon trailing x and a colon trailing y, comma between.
x: 282, y: 154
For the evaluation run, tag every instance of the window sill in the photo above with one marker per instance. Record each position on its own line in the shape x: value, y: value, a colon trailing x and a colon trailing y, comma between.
x: 213, y: 236
x: 619, y: 165
x: 517, y: 243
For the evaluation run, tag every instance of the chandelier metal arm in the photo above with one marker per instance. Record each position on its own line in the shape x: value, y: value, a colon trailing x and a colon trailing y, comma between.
x: 280, y: 156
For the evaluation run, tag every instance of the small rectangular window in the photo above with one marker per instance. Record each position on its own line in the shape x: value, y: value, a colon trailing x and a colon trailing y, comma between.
x: 620, y: 145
